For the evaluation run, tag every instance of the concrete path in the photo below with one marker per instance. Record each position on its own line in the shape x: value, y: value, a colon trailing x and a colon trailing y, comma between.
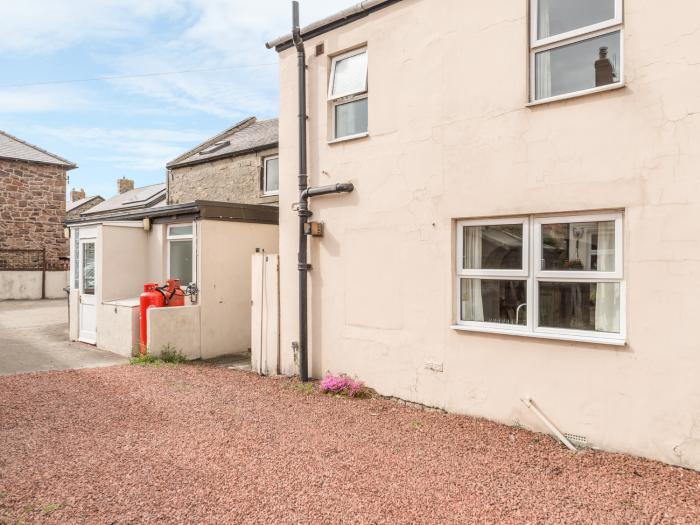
x: 34, y: 337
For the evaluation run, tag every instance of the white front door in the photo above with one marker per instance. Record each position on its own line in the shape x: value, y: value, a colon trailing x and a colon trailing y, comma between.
x: 88, y: 322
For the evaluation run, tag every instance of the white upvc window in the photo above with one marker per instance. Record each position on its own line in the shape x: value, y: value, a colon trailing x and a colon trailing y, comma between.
x: 576, y: 47
x: 348, y: 94
x: 557, y: 277
x: 182, y: 252
x: 271, y: 176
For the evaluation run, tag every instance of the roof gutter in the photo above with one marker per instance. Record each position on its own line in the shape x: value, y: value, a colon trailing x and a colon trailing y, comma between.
x: 61, y: 164
x: 175, y: 165
x: 344, y: 17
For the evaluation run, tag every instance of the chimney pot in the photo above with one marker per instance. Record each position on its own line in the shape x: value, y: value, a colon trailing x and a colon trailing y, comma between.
x: 76, y: 195
x: 124, y: 185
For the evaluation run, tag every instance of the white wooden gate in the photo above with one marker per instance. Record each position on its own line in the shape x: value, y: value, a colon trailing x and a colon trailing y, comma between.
x: 264, y: 345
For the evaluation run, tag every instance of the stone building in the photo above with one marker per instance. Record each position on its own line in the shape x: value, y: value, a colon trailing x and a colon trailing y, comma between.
x: 238, y: 165
x: 79, y: 203
x: 32, y: 209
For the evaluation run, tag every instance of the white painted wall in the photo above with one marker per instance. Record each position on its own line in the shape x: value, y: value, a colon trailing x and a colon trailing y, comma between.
x: 224, y: 269
x: 264, y: 306
x: 451, y: 136
x: 118, y: 327
x: 27, y: 285
x: 177, y: 328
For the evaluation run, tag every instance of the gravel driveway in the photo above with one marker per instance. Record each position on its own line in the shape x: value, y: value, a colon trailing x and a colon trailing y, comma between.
x: 199, y: 444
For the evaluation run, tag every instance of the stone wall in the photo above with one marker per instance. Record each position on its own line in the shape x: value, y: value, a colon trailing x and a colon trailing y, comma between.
x: 32, y: 209
x: 75, y: 212
x: 233, y: 179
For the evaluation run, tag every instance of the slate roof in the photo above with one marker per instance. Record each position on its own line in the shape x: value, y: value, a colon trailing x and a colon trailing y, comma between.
x: 77, y: 204
x: 138, y: 198
x: 16, y: 149
x: 248, y: 135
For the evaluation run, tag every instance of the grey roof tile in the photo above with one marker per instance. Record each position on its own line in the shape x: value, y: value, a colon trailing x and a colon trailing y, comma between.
x: 13, y: 148
x: 77, y: 204
x: 137, y: 198
x: 249, y: 134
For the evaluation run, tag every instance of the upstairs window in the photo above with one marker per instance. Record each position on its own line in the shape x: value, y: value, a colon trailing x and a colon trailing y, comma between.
x: 347, y: 92
x: 271, y: 176
x: 576, y: 47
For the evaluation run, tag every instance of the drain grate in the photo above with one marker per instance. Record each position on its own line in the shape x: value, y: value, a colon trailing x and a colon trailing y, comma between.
x: 576, y: 438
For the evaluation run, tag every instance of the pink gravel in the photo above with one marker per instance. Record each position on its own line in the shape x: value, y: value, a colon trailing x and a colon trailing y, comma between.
x: 198, y: 444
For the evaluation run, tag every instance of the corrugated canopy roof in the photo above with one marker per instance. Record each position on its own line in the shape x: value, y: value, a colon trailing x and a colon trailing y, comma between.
x: 13, y: 148
x: 248, y: 135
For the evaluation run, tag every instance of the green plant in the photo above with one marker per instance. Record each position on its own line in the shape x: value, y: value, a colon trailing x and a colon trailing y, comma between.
x: 147, y: 359
x: 306, y: 388
x: 170, y: 354
x: 49, y: 508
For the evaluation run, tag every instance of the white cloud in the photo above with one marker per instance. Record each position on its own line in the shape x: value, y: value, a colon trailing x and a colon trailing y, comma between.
x: 44, y: 99
x: 225, y: 33
x: 215, y: 34
x: 40, y: 26
x: 137, y: 149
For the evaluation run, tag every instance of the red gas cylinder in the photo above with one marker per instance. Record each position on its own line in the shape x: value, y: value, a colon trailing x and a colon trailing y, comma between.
x: 148, y: 299
x: 175, y: 295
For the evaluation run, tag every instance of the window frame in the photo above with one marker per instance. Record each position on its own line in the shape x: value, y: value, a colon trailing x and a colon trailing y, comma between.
x: 613, y: 25
x: 516, y: 274
x: 351, y: 96
x: 569, y: 35
x: 265, y: 191
x: 334, y: 63
x: 493, y: 275
x: 175, y: 238
x: 532, y: 253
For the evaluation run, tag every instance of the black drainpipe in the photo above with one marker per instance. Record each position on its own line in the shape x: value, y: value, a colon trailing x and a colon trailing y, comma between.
x: 304, y: 194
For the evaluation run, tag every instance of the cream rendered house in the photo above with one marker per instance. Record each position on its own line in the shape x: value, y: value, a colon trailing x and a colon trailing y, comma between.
x: 524, y: 223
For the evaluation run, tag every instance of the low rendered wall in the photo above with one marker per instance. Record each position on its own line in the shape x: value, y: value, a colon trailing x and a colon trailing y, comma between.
x: 55, y: 283
x: 27, y: 285
x: 176, y: 328
x: 118, y: 327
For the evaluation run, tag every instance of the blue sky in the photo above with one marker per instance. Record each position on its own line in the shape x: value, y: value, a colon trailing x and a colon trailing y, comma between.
x: 132, y: 126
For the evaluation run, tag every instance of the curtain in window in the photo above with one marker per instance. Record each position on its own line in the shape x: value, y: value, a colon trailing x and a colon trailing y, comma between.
x: 472, y: 302
x: 606, y: 309
x: 543, y: 61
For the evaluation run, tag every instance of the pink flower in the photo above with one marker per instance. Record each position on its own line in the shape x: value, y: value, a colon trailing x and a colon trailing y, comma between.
x: 340, y: 385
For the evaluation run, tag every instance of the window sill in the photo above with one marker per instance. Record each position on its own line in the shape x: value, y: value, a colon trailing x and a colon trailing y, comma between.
x: 540, y: 335
x: 577, y: 94
x: 348, y: 138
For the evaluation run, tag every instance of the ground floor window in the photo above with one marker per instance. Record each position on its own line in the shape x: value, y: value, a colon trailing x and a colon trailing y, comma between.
x: 181, y: 254
x: 552, y: 276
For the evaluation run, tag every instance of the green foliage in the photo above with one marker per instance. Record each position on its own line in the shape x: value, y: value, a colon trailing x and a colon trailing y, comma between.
x: 168, y: 355
x: 306, y: 388
x: 49, y: 508
x: 147, y: 359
